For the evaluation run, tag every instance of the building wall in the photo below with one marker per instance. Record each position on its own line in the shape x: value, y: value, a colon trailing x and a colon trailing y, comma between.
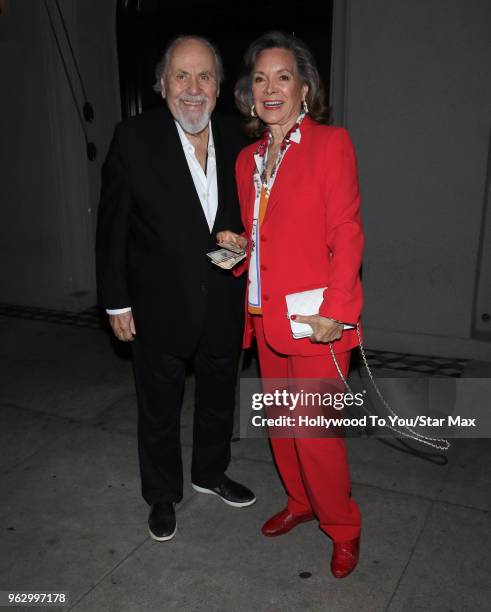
x: 49, y: 188
x: 416, y: 93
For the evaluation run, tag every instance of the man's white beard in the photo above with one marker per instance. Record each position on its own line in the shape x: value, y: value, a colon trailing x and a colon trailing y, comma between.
x: 193, y: 125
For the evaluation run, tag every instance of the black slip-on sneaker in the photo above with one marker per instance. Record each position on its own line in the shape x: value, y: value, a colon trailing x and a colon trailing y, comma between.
x: 162, y: 524
x: 232, y: 493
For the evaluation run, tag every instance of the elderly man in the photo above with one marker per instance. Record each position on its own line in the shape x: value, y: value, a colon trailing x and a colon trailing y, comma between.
x: 168, y: 188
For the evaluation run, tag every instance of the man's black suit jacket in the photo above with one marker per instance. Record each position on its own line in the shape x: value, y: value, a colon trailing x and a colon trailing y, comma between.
x: 152, y: 237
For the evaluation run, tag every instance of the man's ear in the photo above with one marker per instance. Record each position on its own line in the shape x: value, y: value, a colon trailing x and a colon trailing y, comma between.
x: 162, y: 87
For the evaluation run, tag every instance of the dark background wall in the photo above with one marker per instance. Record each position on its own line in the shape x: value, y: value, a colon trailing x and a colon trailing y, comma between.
x: 417, y: 101
x: 49, y: 189
x: 409, y: 79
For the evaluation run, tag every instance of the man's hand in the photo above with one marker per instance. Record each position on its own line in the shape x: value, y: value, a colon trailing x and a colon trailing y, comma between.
x: 325, y: 330
x: 123, y: 326
x: 231, y: 238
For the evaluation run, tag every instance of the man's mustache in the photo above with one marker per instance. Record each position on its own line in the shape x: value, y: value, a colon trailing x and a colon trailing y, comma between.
x: 189, y: 98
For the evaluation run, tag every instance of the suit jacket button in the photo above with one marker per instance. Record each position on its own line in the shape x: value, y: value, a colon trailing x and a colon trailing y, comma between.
x: 264, y: 268
x: 266, y: 297
x: 263, y: 238
x: 203, y: 288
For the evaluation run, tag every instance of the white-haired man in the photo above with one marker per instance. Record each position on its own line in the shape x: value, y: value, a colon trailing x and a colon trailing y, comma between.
x: 168, y: 187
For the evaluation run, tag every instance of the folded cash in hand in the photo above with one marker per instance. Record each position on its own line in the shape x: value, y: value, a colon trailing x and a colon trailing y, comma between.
x: 227, y: 257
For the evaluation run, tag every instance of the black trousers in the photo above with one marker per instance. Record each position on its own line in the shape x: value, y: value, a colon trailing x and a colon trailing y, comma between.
x: 160, y: 389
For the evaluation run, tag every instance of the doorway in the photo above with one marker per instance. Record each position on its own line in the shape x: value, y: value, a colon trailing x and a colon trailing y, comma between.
x: 144, y: 27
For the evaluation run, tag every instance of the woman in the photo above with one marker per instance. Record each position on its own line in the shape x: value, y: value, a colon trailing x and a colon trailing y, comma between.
x: 299, y: 200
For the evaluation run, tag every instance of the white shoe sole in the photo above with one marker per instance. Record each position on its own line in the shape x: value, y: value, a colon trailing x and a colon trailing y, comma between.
x: 164, y: 538
x: 226, y: 501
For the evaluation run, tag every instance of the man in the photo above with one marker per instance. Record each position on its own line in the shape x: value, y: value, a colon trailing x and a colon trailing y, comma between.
x: 167, y: 189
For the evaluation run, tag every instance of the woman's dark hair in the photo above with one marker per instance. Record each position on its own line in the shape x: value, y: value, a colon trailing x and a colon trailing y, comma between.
x: 306, y: 69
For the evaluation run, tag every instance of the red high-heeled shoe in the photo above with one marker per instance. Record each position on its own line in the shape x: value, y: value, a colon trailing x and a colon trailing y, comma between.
x: 284, y: 521
x: 345, y: 556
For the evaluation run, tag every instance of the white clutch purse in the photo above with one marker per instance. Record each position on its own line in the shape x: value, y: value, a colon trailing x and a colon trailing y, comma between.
x: 305, y: 303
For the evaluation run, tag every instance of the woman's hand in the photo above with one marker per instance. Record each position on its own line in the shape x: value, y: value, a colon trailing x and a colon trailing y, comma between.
x: 325, y: 330
x: 231, y: 238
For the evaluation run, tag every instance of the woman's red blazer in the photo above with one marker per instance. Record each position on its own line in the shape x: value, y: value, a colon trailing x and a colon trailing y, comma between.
x: 311, y: 235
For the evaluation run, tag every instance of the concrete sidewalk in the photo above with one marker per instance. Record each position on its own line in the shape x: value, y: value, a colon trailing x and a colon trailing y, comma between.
x: 72, y: 518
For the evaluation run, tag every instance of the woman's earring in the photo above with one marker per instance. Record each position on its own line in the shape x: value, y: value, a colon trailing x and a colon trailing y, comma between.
x: 305, y: 107
x: 253, y: 111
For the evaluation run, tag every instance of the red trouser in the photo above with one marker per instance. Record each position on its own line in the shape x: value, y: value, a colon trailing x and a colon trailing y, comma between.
x: 314, y: 470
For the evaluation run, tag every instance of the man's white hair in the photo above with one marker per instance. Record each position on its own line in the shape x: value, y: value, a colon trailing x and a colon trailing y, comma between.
x: 161, y: 67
